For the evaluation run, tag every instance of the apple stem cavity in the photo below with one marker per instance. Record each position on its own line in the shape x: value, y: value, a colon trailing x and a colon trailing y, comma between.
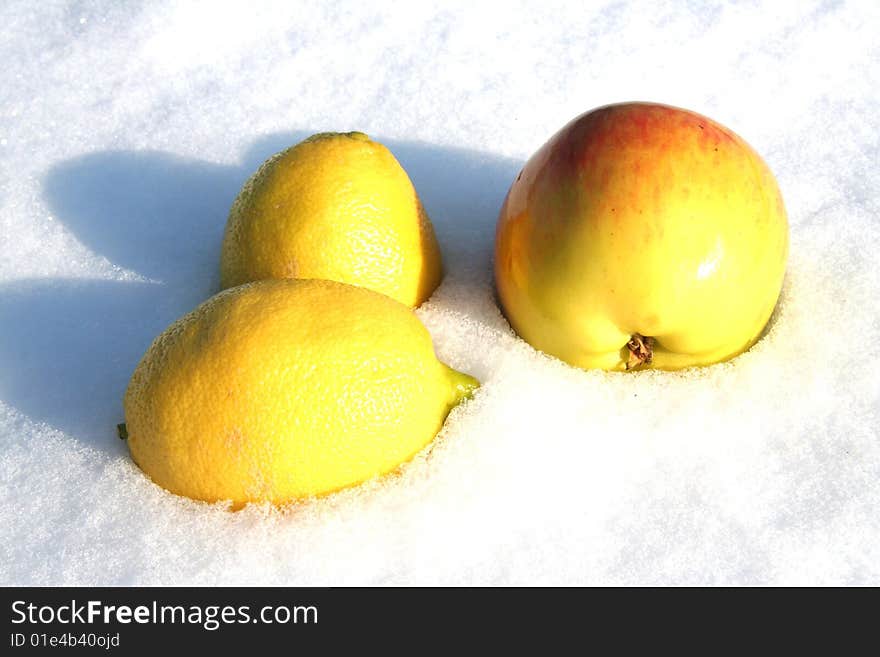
x: 641, y: 351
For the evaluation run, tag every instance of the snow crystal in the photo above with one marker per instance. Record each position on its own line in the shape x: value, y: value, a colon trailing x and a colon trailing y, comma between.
x: 127, y: 134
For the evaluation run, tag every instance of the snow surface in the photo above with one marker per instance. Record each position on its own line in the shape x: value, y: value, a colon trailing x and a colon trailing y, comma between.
x: 126, y: 131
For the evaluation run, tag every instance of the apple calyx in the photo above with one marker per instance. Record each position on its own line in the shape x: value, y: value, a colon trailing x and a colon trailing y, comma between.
x: 641, y: 351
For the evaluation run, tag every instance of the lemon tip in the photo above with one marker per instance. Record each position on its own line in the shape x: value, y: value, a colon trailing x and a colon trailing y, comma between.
x: 463, y: 385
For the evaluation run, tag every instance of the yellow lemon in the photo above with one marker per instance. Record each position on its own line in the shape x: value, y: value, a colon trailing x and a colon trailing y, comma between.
x: 642, y: 235
x: 283, y: 389
x: 336, y: 206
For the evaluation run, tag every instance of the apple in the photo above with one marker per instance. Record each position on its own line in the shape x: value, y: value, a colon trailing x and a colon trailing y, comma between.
x: 641, y: 236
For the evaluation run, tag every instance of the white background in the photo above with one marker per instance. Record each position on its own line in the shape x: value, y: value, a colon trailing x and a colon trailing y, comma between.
x: 126, y: 131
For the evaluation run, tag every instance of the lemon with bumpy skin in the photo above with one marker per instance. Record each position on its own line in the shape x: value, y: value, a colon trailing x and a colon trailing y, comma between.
x: 336, y: 206
x: 283, y: 389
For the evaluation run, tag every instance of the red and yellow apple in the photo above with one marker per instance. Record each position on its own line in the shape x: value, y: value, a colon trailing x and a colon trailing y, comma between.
x: 642, y: 235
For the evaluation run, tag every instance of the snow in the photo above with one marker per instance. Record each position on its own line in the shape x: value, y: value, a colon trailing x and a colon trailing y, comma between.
x: 126, y: 132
